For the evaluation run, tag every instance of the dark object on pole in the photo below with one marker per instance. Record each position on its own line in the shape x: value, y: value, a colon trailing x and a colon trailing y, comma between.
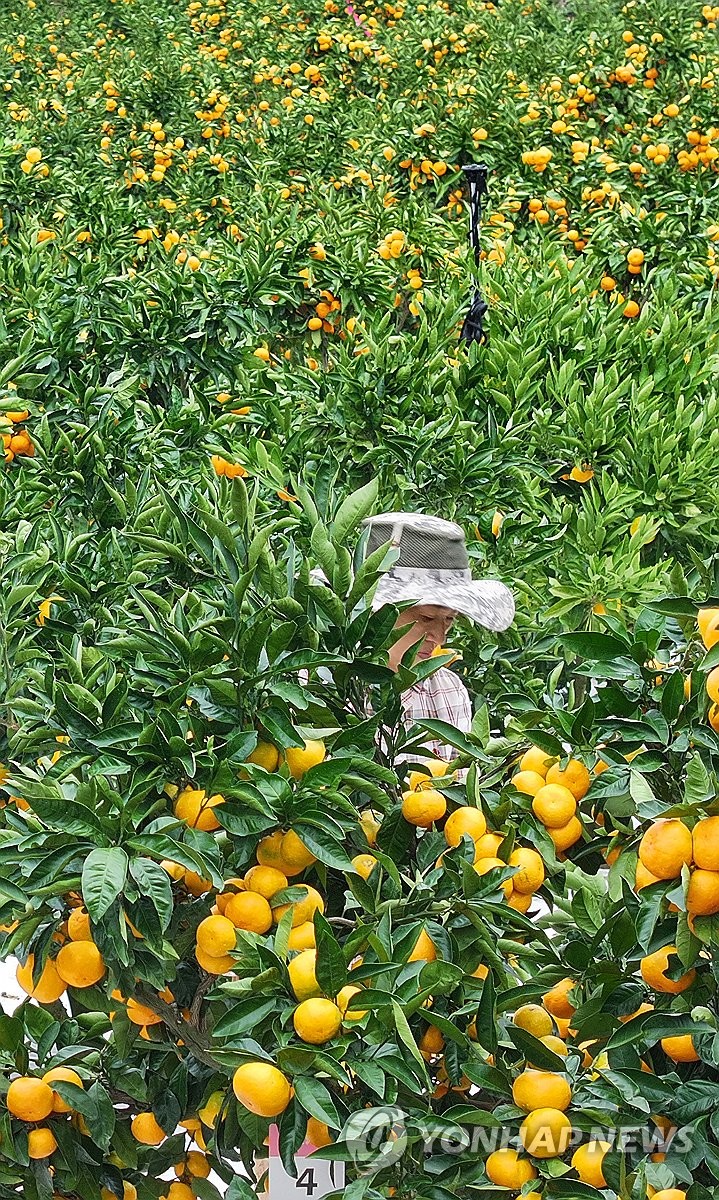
x: 473, y: 329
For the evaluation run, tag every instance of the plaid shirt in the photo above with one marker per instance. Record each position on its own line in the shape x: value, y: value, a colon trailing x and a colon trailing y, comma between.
x: 441, y: 697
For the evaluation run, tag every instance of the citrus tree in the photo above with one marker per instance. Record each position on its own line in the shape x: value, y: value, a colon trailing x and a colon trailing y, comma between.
x: 239, y: 893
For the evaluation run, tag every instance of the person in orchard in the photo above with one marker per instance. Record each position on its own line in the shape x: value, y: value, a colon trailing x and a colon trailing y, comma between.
x: 432, y: 570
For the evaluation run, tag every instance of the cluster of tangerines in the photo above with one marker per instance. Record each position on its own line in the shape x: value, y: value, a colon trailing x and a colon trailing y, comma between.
x: 667, y: 847
x: 546, y: 1132
x: 555, y: 791
x: 17, y: 442
x: 423, y: 806
x: 35, y: 1100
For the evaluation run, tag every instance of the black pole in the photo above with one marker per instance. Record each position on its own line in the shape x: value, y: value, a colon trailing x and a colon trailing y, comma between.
x: 473, y: 327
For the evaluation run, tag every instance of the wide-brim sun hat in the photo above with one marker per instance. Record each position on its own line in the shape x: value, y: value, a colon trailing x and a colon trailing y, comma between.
x: 432, y: 567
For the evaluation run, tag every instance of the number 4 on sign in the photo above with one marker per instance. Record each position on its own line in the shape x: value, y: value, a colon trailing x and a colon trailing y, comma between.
x: 315, y: 1178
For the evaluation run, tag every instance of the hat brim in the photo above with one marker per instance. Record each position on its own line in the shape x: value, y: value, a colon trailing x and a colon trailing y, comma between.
x: 487, y: 602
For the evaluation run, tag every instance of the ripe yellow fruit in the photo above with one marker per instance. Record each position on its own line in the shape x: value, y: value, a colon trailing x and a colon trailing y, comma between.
x: 195, y: 1164
x: 265, y: 755
x: 654, y: 972
x: 546, y: 1132
x: 41, y: 1143
x: 179, y: 1191
x: 703, y: 893
x: 249, y: 910
x: 146, y: 1130
x: 557, y: 1002
x: 708, y: 622
x: 302, y: 910
x: 574, y: 776
x: 295, y: 855
x: 466, y: 820
x: 29, y: 1099
x: 431, y: 1042
x: 537, y: 760
x: 507, y: 1169
x: 214, y: 966
x: 301, y: 971
x: 194, y: 807
x: 485, y: 865
x: 555, y: 1044
x: 541, y: 1089
x: 210, y: 1111
x: 63, y: 1075
x: 554, y: 805
x: 534, y: 1019
x: 670, y: 1194
x: 666, y: 847
x: 487, y: 846
x: 318, y: 1133
x: 216, y: 936
x: 261, y: 1088
x: 520, y: 902
x: 301, y: 758
x: 364, y: 864
x: 587, y: 1162
x: 78, y: 926
x: 49, y: 987
x: 265, y: 881
x: 174, y: 870
x: 342, y: 1000
x: 529, y: 875
x: 528, y: 782
x: 705, y: 843
x: 139, y: 1014
x: 303, y: 937
x: 370, y: 823
x: 80, y: 964
x: 567, y: 835
x: 424, y: 949
x: 269, y: 851
x: 317, y: 1020
x: 232, y: 887
x: 437, y: 768
x: 712, y: 685
x: 681, y: 1048
x: 423, y: 808
x: 642, y: 877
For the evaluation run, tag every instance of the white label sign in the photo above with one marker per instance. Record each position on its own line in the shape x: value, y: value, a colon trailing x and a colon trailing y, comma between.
x: 316, y: 1177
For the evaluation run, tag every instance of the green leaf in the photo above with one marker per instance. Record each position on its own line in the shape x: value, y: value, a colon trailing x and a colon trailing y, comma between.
x: 324, y: 846
x: 353, y: 510
x: 154, y: 882
x: 330, y: 969
x: 243, y: 1017
x: 697, y: 785
x: 316, y: 1100
x: 406, y: 1035
x: 103, y: 878
x: 534, y: 1050
x: 239, y: 1188
x: 651, y: 1027
x: 486, y: 1019
x: 597, y: 647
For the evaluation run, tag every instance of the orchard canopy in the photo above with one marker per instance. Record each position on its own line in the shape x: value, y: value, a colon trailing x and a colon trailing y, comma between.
x: 246, y: 913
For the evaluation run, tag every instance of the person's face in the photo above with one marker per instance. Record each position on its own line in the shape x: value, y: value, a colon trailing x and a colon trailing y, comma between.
x: 430, y: 624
